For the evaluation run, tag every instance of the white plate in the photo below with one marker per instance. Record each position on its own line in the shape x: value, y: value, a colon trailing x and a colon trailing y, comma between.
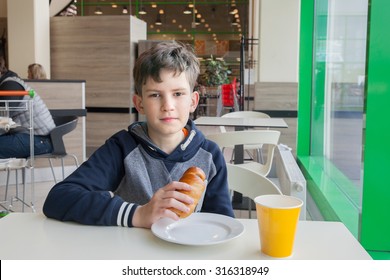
x: 198, y: 229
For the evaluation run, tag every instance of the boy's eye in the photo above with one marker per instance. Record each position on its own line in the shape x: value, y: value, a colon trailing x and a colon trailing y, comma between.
x: 178, y: 93
x: 154, y: 95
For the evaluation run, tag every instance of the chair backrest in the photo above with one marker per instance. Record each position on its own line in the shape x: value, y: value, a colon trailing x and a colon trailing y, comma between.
x: 64, y: 125
x: 248, y: 182
x: 243, y: 114
x: 267, y: 138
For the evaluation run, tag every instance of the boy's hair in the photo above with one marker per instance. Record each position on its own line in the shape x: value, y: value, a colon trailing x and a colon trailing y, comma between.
x: 169, y: 55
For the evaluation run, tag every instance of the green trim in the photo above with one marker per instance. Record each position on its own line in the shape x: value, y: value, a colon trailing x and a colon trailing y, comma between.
x: 379, y: 255
x: 375, y: 223
x: 305, y: 80
x: 318, y: 78
x: 336, y: 197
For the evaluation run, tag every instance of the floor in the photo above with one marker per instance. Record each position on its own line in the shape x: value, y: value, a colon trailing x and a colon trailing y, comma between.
x: 41, y: 191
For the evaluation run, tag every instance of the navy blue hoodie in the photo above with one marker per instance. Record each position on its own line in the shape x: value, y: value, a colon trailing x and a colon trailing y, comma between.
x: 127, y: 170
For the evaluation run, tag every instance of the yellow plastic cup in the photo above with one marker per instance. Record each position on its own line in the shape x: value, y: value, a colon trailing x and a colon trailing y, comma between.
x: 277, y: 216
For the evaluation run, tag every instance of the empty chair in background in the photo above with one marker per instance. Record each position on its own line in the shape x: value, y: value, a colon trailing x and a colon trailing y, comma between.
x: 268, y: 138
x: 249, y: 183
x: 247, y: 114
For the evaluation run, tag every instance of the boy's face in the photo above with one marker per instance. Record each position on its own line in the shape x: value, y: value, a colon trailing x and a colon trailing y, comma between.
x: 167, y: 104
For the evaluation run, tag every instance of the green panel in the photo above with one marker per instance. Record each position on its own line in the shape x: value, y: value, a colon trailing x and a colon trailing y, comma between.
x: 334, y: 202
x: 305, y: 77
x: 375, y: 223
x: 379, y: 255
x: 318, y: 92
x: 311, y: 106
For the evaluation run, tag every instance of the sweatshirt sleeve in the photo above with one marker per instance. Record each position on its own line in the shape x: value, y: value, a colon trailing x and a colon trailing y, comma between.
x: 87, y: 195
x: 217, y: 197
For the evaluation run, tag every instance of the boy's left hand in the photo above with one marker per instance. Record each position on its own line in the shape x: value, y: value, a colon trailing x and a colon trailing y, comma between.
x: 158, y: 207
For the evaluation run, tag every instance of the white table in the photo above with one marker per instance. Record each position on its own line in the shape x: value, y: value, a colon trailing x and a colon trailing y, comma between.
x: 33, y: 236
x: 242, y: 122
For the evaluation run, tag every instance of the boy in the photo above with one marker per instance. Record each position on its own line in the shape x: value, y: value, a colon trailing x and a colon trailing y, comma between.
x: 132, y: 180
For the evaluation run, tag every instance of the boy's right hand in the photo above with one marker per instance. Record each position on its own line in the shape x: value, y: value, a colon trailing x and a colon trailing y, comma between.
x: 158, y: 207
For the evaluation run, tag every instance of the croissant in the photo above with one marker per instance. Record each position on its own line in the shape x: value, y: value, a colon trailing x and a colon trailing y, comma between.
x: 195, y: 177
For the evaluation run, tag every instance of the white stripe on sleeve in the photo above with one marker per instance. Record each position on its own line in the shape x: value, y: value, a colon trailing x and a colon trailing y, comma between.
x: 120, y: 214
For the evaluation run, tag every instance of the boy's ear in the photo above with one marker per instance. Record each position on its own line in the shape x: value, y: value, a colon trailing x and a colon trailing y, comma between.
x: 137, y: 101
x: 194, y: 101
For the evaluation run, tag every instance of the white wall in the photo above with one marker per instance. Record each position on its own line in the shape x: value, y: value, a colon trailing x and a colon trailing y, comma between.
x: 28, y: 35
x: 279, y: 40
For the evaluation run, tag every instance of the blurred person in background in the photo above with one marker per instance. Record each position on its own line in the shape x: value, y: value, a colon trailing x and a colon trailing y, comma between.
x: 36, y: 71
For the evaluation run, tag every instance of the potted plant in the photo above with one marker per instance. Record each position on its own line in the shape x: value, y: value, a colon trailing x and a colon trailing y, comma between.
x: 216, y: 72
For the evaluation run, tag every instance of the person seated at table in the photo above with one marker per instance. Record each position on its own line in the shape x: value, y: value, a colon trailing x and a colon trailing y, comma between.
x: 133, y: 179
x: 36, y: 71
x: 16, y: 142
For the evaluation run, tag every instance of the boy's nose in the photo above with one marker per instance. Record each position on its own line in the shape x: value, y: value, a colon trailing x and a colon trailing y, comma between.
x: 168, y: 104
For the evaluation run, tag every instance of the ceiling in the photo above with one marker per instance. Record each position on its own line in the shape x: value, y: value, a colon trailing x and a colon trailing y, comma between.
x: 213, y: 17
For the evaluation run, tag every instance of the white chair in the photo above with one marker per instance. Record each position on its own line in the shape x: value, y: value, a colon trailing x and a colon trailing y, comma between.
x: 249, y: 183
x: 247, y: 114
x: 268, y: 138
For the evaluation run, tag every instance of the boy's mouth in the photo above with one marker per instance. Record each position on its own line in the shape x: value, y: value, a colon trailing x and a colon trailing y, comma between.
x: 168, y: 119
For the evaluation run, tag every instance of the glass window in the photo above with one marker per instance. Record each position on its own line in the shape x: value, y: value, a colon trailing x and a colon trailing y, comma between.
x: 338, y: 91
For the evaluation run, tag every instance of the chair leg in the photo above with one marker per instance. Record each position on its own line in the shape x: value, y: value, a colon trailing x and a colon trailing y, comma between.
x: 6, y: 186
x: 24, y: 188
x: 52, y: 171
x: 63, y: 168
x: 76, y: 161
x: 17, y: 188
x: 250, y: 207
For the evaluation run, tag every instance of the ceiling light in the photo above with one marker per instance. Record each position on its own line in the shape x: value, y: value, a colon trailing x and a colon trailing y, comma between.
x: 124, y: 10
x: 187, y: 11
x: 98, y: 11
x: 158, y: 20
x: 114, y: 5
x: 234, y: 21
x: 142, y: 11
x: 233, y: 9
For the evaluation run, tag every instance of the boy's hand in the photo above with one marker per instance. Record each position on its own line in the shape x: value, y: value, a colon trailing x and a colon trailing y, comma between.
x: 158, y: 207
